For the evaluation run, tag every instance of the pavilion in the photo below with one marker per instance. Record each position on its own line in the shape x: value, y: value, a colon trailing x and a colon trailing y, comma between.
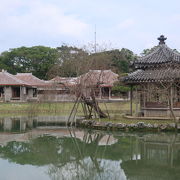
x: 156, y: 81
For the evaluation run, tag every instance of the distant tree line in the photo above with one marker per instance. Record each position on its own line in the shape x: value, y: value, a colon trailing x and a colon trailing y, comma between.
x: 37, y: 59
x: 67, y: 61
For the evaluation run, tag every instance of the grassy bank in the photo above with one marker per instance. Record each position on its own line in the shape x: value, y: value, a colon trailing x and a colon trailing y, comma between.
x: 35, y: 108
x: 116, y: 111
x: 62, y: 107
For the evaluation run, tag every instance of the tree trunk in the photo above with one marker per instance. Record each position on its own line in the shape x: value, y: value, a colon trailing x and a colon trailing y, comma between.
x: 94, y: 105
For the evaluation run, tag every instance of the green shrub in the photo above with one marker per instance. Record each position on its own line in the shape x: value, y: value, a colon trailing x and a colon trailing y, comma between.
x: 120, y: 89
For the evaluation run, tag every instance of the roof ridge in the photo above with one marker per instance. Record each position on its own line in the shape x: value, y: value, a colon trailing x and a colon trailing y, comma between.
x: 23, y: 73
x: 161, y: 54
x: 30, y: 74
x: 14, y: 78
x: 175, y: 52
x: 151, y: 53
x: 164, y: 53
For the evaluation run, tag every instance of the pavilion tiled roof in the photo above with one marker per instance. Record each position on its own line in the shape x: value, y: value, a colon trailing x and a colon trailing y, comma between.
x: 163, y: 64
x: 161, y: 54
x: 154, y: 75
x: 8, y: 79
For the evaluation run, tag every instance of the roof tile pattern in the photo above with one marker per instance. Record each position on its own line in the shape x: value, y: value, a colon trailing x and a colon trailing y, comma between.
x: 30, y: 79
x: 9, y: 79
x: 154, y: 75
x: 162, y: 54
x: 103, y: 78
x: 161, y: 65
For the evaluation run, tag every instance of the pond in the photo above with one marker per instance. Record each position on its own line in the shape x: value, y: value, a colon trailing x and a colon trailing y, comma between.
x: 30, y: 149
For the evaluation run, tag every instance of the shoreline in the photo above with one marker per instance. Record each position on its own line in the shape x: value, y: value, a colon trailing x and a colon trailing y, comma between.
x: 140, y: 126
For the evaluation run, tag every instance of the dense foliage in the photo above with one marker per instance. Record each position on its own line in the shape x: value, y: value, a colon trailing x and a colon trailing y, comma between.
x: 45, y: 62
x: 37, y: 59
x: 118, y: 88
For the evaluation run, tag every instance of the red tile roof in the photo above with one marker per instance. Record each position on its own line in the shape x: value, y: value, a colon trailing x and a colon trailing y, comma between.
x: 103, y: 78
x: 31, y: 79
x: 9, y: 79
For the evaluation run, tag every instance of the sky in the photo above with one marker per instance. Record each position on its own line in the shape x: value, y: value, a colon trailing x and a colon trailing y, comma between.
x: 132, y: 24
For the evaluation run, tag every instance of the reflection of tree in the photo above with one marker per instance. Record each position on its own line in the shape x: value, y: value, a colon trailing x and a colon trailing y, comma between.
x: 68, y: 157
x: 94, y: 155
x: 89, y: 162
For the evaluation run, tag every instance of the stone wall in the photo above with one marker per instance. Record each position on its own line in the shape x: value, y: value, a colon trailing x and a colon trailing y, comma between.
x: 7, y: 93
x: 160, y: 112
x: 23, y: 94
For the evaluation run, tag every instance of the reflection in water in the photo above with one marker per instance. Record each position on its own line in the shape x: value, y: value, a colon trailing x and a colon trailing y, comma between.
x: 15, y: 124
x: 23, y: 123
x: 159, y: 158
x: 93, y: 155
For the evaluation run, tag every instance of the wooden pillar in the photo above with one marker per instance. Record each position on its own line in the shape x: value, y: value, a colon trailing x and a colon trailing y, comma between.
x: 109, y: 93
x: 172, y: 106
x: 145, y: 95
x: 136, y: 102
x: 5, y: 93
x: 148, y: 93
x: 21, y: 93
x: 171, y: 95
x: 100, y: 93
x: 170, y: 102
x: 131, y: 97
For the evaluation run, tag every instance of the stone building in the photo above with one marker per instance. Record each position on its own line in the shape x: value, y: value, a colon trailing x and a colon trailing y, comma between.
x: 52, y: 90
x: 24, y: 87
x: 13, y: 89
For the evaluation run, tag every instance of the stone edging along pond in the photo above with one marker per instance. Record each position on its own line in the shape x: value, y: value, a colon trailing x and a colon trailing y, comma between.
x: 140, y: 126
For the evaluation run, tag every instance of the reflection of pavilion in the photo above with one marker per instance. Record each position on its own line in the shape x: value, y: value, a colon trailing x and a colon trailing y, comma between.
x: 159, y: 158
x: 161, y: 150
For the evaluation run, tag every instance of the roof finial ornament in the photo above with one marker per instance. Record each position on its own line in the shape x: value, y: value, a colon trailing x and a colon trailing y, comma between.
x: 162, y: 39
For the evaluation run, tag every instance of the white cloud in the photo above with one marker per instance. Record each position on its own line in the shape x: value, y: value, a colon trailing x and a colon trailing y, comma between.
x: 53, y: 22
x: 175, y: 18
x: 39, y: 17
x: 127, y: 23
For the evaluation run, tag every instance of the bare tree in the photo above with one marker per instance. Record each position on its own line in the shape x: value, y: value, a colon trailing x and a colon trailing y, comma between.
x: 86, y: 92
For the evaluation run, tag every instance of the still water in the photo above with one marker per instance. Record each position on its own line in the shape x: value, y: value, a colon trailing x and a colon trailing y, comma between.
x: 32, y: 150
